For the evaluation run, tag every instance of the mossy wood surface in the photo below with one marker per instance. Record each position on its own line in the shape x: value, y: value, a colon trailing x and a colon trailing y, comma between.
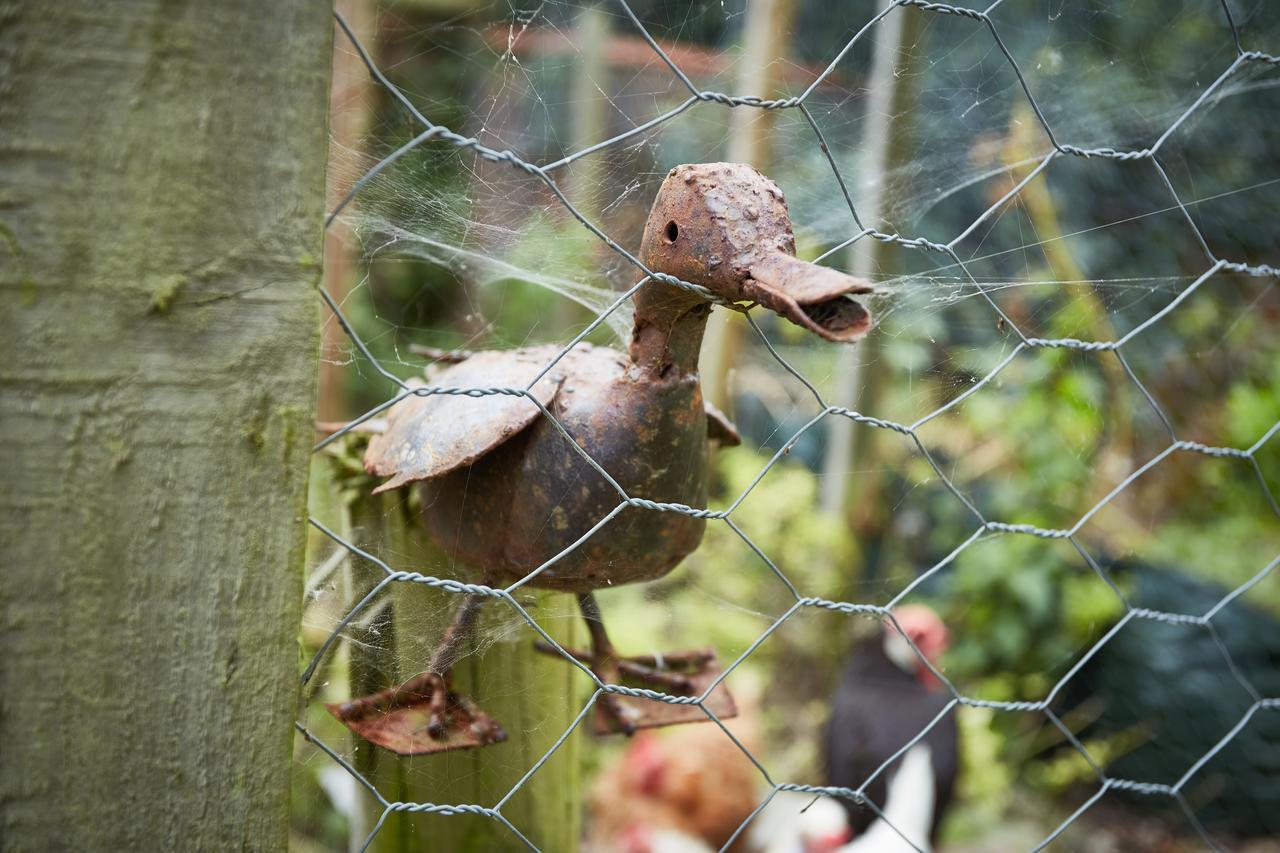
x: 161, y: 196
x: 534, y: 697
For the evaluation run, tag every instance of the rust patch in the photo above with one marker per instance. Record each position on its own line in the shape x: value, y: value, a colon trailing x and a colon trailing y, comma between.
x: 405, y: 726
x: 430, y: 436
x: 733, y: 235
x: 645, y: 713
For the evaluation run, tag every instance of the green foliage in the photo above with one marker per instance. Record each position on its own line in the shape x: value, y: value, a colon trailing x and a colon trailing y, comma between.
x: 986, y: 775
x: 811, y: 550
x: 1020, y: 609
x: 1042, y: 444
x: 726, y: 596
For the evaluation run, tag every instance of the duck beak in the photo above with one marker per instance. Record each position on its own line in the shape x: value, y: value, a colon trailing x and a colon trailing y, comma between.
x: 816, y: 298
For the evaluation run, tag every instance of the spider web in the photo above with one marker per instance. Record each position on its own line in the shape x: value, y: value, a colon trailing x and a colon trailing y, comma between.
x: 1073, y: 186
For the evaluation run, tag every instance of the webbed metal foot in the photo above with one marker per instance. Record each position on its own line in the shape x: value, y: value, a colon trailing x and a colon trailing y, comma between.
x: 419, y: 717
x: 424, y: 715
x: 689, y: 673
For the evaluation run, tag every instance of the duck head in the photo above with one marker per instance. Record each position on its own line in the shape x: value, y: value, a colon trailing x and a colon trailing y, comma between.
x: 725, y: 226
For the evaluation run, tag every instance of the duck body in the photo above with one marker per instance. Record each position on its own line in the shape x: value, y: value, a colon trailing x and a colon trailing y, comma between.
x: 501, y: 446
x: 504, y: 489
x: 534, y: 495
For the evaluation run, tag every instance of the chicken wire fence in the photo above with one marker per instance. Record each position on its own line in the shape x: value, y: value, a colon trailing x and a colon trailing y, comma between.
x: 983, y: 21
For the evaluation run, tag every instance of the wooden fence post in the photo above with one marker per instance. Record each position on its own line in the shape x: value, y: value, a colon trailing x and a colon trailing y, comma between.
x: 161, y: 197
x: 533, y: 696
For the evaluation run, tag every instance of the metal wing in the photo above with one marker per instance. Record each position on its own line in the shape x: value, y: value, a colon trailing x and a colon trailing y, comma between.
x: 429, y: 436
x: 720, y: 428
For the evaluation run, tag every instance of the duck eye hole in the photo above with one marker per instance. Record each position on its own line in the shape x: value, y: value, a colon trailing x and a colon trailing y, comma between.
x: 672, y: 231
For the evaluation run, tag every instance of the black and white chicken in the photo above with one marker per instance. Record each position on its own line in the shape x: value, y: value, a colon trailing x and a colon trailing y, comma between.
x: 886, y: 696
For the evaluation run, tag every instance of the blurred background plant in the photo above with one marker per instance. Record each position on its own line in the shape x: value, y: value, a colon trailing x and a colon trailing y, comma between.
x: 447, y: 250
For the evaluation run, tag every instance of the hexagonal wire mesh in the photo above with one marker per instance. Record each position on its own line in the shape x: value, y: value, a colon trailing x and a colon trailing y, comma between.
x: 432, y: 132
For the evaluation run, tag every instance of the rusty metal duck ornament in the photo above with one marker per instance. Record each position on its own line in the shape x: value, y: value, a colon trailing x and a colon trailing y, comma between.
x: 503, y: 491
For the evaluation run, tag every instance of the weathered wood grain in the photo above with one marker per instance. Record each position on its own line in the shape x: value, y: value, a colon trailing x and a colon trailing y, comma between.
x: 161, y: 194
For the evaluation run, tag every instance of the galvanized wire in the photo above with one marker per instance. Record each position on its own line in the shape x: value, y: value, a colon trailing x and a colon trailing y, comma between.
x: 983, y: 527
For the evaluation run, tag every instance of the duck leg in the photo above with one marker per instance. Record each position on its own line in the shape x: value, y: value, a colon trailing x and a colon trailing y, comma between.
x: 679, y: 673
x: 424, y: 714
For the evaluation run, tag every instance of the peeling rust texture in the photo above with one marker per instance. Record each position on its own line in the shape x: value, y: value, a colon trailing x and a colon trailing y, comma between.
x: 534, y: 495
x: 645, y: 713
x: 726, y: 226
x: 405, y: 728
x: 431, y: 436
